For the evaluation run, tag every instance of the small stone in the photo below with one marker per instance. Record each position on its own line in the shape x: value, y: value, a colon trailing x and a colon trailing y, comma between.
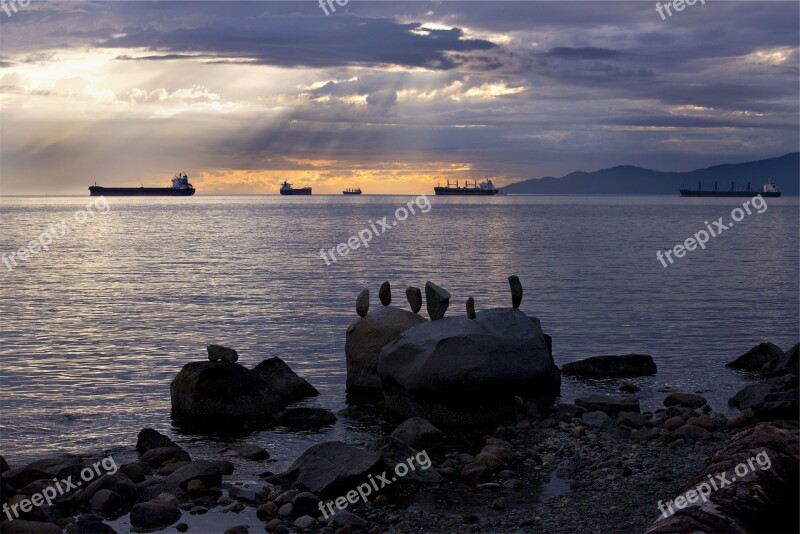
x: 267, y: 511
x: 385, y: 293
x: 304, y: 522
x: 516, y: 290
x: 690, y: 400
x: 627, y: 387
x: 286, y: 510
x: 273, y: 525
x: 220, y: 353
x: 362, y: 303
x: 498, y: 504
x: 381, y: 500
x: 674, y: 423
x: 414, y: 296
x: 195, y: 488
x: 742, y: 420
x: 437, y: 300
x: 471, y: 308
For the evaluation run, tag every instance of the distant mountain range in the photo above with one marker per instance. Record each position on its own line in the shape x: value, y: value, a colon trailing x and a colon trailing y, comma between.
x: 629, y: 180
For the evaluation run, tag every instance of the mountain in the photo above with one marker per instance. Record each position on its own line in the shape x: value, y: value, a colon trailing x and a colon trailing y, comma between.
x: 630, y: 180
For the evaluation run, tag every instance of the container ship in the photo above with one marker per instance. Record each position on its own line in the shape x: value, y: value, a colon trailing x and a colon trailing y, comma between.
x: 767, y: 190
x: 350, y: 191
x: 180, y: 188
x: 484, y: 188
x: 287, y: 189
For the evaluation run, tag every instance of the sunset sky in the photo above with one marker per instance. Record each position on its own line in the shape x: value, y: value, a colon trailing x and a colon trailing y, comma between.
x: 389, y: 96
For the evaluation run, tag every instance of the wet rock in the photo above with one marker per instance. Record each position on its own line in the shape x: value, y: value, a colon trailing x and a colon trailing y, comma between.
x: 149, y: 438
x: 385, y: 293
x: 304, y: 522
x: 238, y: 529
x: 691, y: 433
x: 756, y: 358
x: 343, y: 518
x: 628, y: 387
x: 362, y: 303
x: 611, y: 405
x: 273, y: 525
x: 393, y: 451
x: 19, y: 526
x: 162, y: 456
x: 631, y: 420
x: 106, y: 502
x: 437, y: 300
x: 90, y: 524
x: 674, y: 423
x: 60, y: 466
x: 306, y: 503
x: 419, y: 434
x: 742, y: 420
x: 689, y: 400
x: 208, y: 472
x: 267, y: 511
x: 784, y: 365
x: 154, y: 515
x: 777, y: 398
x: 118, y: 483
x: 597, y: 420
x: 280, y: 379
x: 305, y: 417
x: 471, y: 308
x: 516, y: 291
x: 218, y: 353
x: 703, y: 421
x: 414, y: 296
x: 612, y: 366
x: 246, y: 450
x: 195, y: 488
x: 136, y: 471
x: 182, y: 527
x: 286, y: 510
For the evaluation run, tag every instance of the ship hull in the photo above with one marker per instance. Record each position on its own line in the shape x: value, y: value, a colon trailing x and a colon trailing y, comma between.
x: 97, y: 191
x: 293, y: 192
x: 464, y: 191
x: 736, y: 194
x: 350, y: 193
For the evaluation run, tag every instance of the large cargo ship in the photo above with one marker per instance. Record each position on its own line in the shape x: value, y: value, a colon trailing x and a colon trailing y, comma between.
x: 180, y: 188
x: 351, y: 191
x: 767, y: 190
x: 287, y: 189
x: 484, y: 188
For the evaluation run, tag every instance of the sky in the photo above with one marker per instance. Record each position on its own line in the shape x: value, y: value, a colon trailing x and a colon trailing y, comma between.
x: 390, y: 96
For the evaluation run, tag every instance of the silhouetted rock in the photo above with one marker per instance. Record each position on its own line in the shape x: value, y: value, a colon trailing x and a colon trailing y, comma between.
x: 756, y: 358
x: 218, y: 353
x: 385, y: 293
x: 19, y: 526
x: 330, y: 468
x: 777, y: 398
x: 154, y: 515
x: 280, y: 379
x: 414, y: 296
x: 419, y: 434
x: 208, y: 472
x: 362, y: 303
x: 516, y: 290
x: 612, y: 366
x: 307, y: 417
x: 150, y: 438
x: 783, y: 365
x: 471, y: 308
x: 690, y: 400
x: 611, y: 405
x: 437, y: 300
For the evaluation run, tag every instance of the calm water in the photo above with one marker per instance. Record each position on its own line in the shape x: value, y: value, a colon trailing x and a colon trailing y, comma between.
x: 94, y: 329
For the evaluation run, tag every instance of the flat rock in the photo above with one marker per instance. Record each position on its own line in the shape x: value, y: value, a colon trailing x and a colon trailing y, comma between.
x: 612, y: 366
x: 610, y: 405
x: 154, y: 515
x: 689, y: 400
x: 208, y: 472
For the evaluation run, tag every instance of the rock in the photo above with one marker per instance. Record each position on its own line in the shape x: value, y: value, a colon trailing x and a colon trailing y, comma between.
x: 167, y: 498
x: 703, y: 421
x: 476, y: 472
x: 118, y: 483
x: 60, y: 466
x: 305, y: 417
x: 419, y: 434
x: 218, y: 353
x: 471, y: 308
x: 362, y: 303
x: 162, y: 456
x: 755, y: 358
x: 645, y: 434
x: 784, y: 365
x: 305, y: 503
x: 195, y: 488
x: 90, y: 524
x: 516, y: 291
x: 267, y: 511
x: 304, y: 522
x: 222, y: 390
x: 414, y: 296
x: 246, y: 450
x: 168, y: 469
x: 363, y: 343
x: 136, y: 471
x: 330, y: 468
x: 691, y: 433
x: 437, y: 300
x: 182, y: 527
x: 689, y: 400
x: 610, y: 405
x: 742, y: 420
x: 597, y: 420
x: 458, y: 371
x: 273, y: 525
x: 393, y: 451
x: 154, y: 515
x: 631, y: 420
x: 774, y: 454
x: 674, y: 423
x: 106, y: 502
x: 238, y: 529
x: 280, y: 379
x: 776, y: 398
x: 343, y: 518
x: 286, y: 510
x: 19, y: 526
x: 208, y: 472
x: 612, y: 366
x: 385, y: 293
x: 628, y: 387
x: 3, y: 465
x: 149, y: 438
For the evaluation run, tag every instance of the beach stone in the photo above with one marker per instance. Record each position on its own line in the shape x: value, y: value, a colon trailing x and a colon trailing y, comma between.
x: 393, y: 451
x: 414, y: 296
x: 703, y: 421
x: 756, y: 358
x: 305, y: 417
x: 628, y: 387
x: 106, y: 501
x: 645, y: 434
x: 612, y: 366
x: 362, y: 303
x: 305, y: 503
x: 89, y: 524
x: 167, y: 498
x: 596, y: 420
x: 689, y: 400
x: 459, y: 371
x: 20, y: 526
x: 777, y: 398
x: 784, y: 365
x: 471, y: 308
x: 741, y: 420
x: 304, y: 522
x: 364, y: 340
x: 195, y: 488
x: 162, y: 456
x: 476, y: 472
x: 418, y: 433
x: 238, y: 529
x: 267, y: 511
x: 610, y: 405
x: 516, y: 290
x: 437, y: 300
x: 286, y: 496
x: 182, y: 527
x: 674, y: 423
x: 286, y: 510
x: 209, y: 472
x: 280, y: 379
x: 118, y: 483
x: 631, y: 420
x: 691, y: 433
x: 344, y: 518
x: 154, y: 515
x: 246, y: 450
x: 149, y: 438
x: 218, y: 353
x: 273, y: 525
x: 385, y: 293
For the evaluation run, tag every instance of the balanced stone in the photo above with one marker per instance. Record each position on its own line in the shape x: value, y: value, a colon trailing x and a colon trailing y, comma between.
x: 362, y: 303
x: 414, y: 296
x: 516, y: 290
x: 220, y: 353
x: 437, y: 300
x: 471, y: 308
x: 385, y: 293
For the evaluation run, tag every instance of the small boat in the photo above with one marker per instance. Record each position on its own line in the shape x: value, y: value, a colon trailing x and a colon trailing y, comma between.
x: 287, y: 189
x: 767, y: 190
x: 180, y: 188
x: 350, y: 191
x: 484, y: 188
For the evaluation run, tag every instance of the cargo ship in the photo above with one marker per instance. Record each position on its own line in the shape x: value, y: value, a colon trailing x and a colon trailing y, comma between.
x: 767, y: 190
x: 349, y: 191
x: 180, y: 188
x: 287, y: 189
x: 484, y: 188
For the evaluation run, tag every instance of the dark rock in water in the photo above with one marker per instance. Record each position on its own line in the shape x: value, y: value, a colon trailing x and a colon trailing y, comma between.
x: 162, y: 456
x: 612, y: 366
x: 414, y: 296
x: 777, y: 398
x: 690, y: 400
x: 90, y: 524
x: 419, y: 434
x: 362, y: 303
x: 218, y: 353
x: 610, y: 405
x: 3, y: 465
x: 19, y: 526
x: 516, y: 290
x: 330, y: 469
x: 765, y: 500
x: 784, y: 365
x: 106, y: 502
x: 628, y: 387
x: 305, y: 503
x: 385, y: 293
x: 282, y: 380
x: 246, y: 450
x: 208, y: 472
x: 364, y: 340
x: 222, y: 390
x: 118, y: 483
x: 136, y: 471
x: 437, y: 300
x: 150, y: 438
x: 459, y: 371
x: 393, y: 451
x: 471, y: 308
x: 154, y: 515
x: 305, y: 417
x: 755, y: 358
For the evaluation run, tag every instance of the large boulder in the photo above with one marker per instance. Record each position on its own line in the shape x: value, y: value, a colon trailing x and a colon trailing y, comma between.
x: 784, y: 365
x: 419, y: 434
x: 461, y: 371
x: 612, y: 366
x: 282, y: 380
x: 364, y: 340
x: 222, y: 390
x: 756, y: 358
x: 777, y: 398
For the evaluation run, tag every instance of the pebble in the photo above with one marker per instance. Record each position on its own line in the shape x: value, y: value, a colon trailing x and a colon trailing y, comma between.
x: 362, y: 303
x: 385, y: 293
x: 414, y: 296
x: 516, y: 290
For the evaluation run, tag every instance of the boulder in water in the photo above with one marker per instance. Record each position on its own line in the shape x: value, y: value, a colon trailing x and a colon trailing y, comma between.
x: 612, y: 366
x: 280, y: 379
